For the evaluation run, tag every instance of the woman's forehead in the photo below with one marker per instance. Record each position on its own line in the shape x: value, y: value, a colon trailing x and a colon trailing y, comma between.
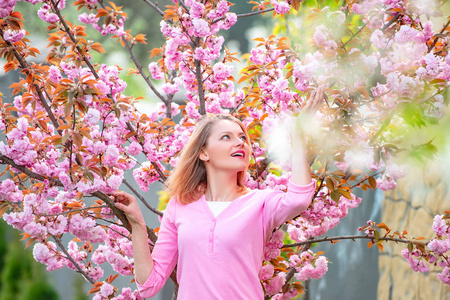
x: 226, y: 125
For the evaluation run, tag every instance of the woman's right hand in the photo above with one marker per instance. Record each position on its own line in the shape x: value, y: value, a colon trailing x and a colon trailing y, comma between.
x: 128, y: 204
x: 143, y: 261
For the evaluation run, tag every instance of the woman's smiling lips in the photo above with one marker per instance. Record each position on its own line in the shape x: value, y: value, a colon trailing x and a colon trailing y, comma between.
x: 239, y: 153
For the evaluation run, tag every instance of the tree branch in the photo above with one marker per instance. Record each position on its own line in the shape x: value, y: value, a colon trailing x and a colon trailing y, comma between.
x: 119, y: 214
x: 142, y: 198
x: 184, y: 6
x: 436, y: 39
x: 155, y: 7
x: 155, y: 165
x: 246, y: 14
x: 24, y: 65
x: 72, y: 211
x: 94, y: 72
x: 6, y: 160
x: 349, y: 237
x: 141, y: 71
x: 79, y: 269
x: 358, y: 32
x: 390, y: 22
x: 201, y: 92
x: 72, y: 38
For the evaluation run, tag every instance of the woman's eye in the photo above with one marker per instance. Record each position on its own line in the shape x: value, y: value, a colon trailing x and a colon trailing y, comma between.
x: 226, y: 136
x: 244, y: 138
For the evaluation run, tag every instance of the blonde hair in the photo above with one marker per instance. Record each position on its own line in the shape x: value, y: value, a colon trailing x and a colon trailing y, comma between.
x: 188, y: 180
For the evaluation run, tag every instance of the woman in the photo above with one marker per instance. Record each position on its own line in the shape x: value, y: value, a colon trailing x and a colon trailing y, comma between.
x: 214, y: 228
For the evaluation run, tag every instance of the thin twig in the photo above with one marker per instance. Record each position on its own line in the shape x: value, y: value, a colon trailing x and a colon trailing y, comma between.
x: 142, y: 198
x: 246, y: 14
x: 353, y: 186
x: 155, y: 7
x: 154, y: 164
x: 6, y: 160
x: 72, y: 211
x: 362, y: 27
x: 436, y: 39
x: 79, y: 269
x: 73, y: 39
x: 390, y: 22
x: 198, y: 76
x: 120, y: 214
x: 24, y: 65
x: 349, y: 237
x: 141, y: 71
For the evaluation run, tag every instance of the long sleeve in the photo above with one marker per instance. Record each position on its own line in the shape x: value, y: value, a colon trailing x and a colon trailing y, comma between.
x: 280, y: 207
x: 165, y: 254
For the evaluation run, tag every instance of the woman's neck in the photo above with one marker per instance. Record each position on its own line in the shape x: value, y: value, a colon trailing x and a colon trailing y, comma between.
x: 222, y: 187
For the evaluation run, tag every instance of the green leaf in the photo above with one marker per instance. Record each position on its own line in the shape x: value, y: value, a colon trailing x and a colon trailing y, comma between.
x: 426, y: 150
x: 335, y: 196
x: 90, y: 176
x: 330, y: 184
x: 376, y: 234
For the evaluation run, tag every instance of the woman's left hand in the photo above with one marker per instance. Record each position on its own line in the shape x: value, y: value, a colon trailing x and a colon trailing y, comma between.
x: 314, y: 101
x: 309, y: 109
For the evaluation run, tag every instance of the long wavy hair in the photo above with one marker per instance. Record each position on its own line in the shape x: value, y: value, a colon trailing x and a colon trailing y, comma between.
x: 188, y: 181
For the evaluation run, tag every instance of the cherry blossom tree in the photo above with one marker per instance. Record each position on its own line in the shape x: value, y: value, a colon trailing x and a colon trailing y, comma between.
x: 72, y: 133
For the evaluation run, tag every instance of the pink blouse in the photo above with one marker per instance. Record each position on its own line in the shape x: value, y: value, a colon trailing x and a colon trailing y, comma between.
x: 221, y: 257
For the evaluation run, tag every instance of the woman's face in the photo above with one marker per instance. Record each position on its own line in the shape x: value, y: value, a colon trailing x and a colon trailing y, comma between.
x: 226, y: 147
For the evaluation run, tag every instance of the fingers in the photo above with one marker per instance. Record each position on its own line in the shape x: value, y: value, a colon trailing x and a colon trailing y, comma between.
x: 315, y: 100
x: 126, y: 206
x: 119, y: 206
x: 319, y: 97
x: 123, y: 197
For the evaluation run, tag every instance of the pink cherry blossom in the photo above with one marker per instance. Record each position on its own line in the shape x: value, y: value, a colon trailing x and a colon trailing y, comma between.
x: 13, y: 36
x: 197, y: 9
x: 134, y: 148
x: 439, y: 247
x: 47, y: 15
x: 280, y: 7
x: 444, y: 276
x: 267, y: 272
x: 321, y: 37
x: 88, y: 18
x: 275, y: 284
x: 200, y: 28
x: 106, y: 290
x: 111, y: 156
x: 155, y: 71
x: 6, y: 7
x: 440, y: 226
x: 386, y: 183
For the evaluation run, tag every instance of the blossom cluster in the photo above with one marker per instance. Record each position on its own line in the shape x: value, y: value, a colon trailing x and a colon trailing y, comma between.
x: 438, y: 254
x: 307, y: 264
x: 322, y: 215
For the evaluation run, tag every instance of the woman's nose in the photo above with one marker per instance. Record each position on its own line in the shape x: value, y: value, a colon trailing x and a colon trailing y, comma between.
x: 240, y: 142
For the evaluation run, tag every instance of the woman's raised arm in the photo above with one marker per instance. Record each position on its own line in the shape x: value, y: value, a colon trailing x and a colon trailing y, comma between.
x: 300, y: 164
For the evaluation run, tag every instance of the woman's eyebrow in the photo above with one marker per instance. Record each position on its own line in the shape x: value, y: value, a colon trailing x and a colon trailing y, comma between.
x: 230, y: 132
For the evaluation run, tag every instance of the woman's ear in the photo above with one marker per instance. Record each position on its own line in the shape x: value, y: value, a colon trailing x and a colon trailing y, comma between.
x: 204, y: 156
